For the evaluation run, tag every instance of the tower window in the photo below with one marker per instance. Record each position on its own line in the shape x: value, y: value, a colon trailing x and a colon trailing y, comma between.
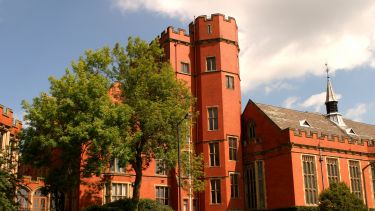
x: 214, y: 154
x: 215, y: 191
x: 212, y: 118
x: 232, y: 148
x: 229, y: 82
x: 185, y: 68
x: 234, y: 190
x: 209, y: 29
x: 211, y: 63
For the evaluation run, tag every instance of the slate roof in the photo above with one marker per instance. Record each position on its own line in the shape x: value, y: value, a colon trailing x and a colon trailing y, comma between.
x: 287, y: 118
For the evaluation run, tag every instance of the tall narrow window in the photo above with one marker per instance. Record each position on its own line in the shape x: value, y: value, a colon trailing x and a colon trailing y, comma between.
x: 355, y: 178
x: 185, y: 205
x: 214, y: 154
x: 215, y: 191
x: 160, y: 167
x: 209, y: 29
x: 251, y: 130
x: 232, y: 148
x: 213, y: 118
x: 211, y: 63
x: 309, y: 177
x: 162, y: 194
x: 373, y: 178
x: 333, y: 170
x: 234, y: 191
x: 185, y: 68
x: 229, y: 82
x: 255, y: 185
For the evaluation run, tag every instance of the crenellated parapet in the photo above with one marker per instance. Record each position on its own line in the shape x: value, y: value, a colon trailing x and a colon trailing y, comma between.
x: 341, y: 139
x: 215, y: 28
x: 173, y: 35
x: 7, y: 122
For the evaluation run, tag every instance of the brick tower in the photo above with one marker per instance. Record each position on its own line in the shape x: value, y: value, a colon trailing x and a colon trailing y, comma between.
x: 207, y: 59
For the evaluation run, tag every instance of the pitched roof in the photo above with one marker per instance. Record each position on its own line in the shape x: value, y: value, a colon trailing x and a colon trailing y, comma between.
x: 287, y: 118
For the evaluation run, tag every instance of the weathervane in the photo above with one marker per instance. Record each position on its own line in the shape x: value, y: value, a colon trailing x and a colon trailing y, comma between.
x: 327, y: 70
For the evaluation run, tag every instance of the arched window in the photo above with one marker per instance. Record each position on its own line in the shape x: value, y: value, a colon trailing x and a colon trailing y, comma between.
x: 23, y: 198
x: 39, y: 201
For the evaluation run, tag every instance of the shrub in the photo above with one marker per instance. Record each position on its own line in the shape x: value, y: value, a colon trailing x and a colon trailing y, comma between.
x: 338, y: 197
x: 129, y: 204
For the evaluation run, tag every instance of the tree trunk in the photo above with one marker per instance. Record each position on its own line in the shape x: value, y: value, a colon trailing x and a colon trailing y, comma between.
x: 138, y: 179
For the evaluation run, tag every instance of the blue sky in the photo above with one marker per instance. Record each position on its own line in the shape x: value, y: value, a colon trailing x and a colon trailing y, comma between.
x: 284, y: 46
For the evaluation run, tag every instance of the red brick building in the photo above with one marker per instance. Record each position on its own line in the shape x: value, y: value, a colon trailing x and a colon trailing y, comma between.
x: 291, y: 156
x: 268, y: 158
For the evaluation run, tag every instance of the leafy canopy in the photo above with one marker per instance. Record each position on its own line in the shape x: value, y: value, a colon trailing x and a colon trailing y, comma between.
x: 338, y: 197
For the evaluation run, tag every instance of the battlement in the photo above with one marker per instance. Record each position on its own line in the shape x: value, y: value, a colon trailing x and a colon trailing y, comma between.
x: 319, y: 136
x: 172, y: 34
x: 6, y: 119
x: 218, y: 16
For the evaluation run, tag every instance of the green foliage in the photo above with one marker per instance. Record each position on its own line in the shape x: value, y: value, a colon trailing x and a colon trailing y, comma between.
x: 159, y: 103
x: 339, y: 197
x: 71, y: 130
x: 130, y: 204
x: 8, y: 181
x: 76, y: 129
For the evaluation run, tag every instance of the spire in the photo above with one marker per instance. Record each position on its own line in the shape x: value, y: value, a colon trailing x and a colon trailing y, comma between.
x: 330, y: 94
x: 331, y: 103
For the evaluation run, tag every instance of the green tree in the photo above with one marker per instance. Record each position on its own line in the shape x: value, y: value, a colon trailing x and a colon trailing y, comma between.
x: 159, y: 103
x: 8, y: 180
x: 70, y: 131
x: 338, y: 197
x: 81, y: 124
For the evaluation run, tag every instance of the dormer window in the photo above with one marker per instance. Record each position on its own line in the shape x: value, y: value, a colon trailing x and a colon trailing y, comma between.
x: 350, y: 131
x: 304, y: 123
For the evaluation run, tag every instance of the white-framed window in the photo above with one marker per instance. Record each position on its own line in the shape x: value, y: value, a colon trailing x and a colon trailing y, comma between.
x: 160, y: 167
x: 333, y: 170
x: 39, y: 201
x: 185, y: 67
x: 355, y: 178
x: 213, y: 122
x: 162, y: 194
x: 229, y: 82
x: 115, y: 166
x: 211, y: 63
x: 234, y: 186
x: 232, y: 148
x: 115, y: 191
x: 215, y: 191
x: 214, y: 154
x: 309, y: 177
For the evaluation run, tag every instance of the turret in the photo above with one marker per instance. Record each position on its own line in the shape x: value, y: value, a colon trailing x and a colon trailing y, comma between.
x: 331, y: 103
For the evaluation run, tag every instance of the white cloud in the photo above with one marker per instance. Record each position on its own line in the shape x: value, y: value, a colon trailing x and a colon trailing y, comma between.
x: 356, y: 113
x: 290, y: 102
x: 277, y: 86
x: 285, y: 39
x: 317, y: 101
